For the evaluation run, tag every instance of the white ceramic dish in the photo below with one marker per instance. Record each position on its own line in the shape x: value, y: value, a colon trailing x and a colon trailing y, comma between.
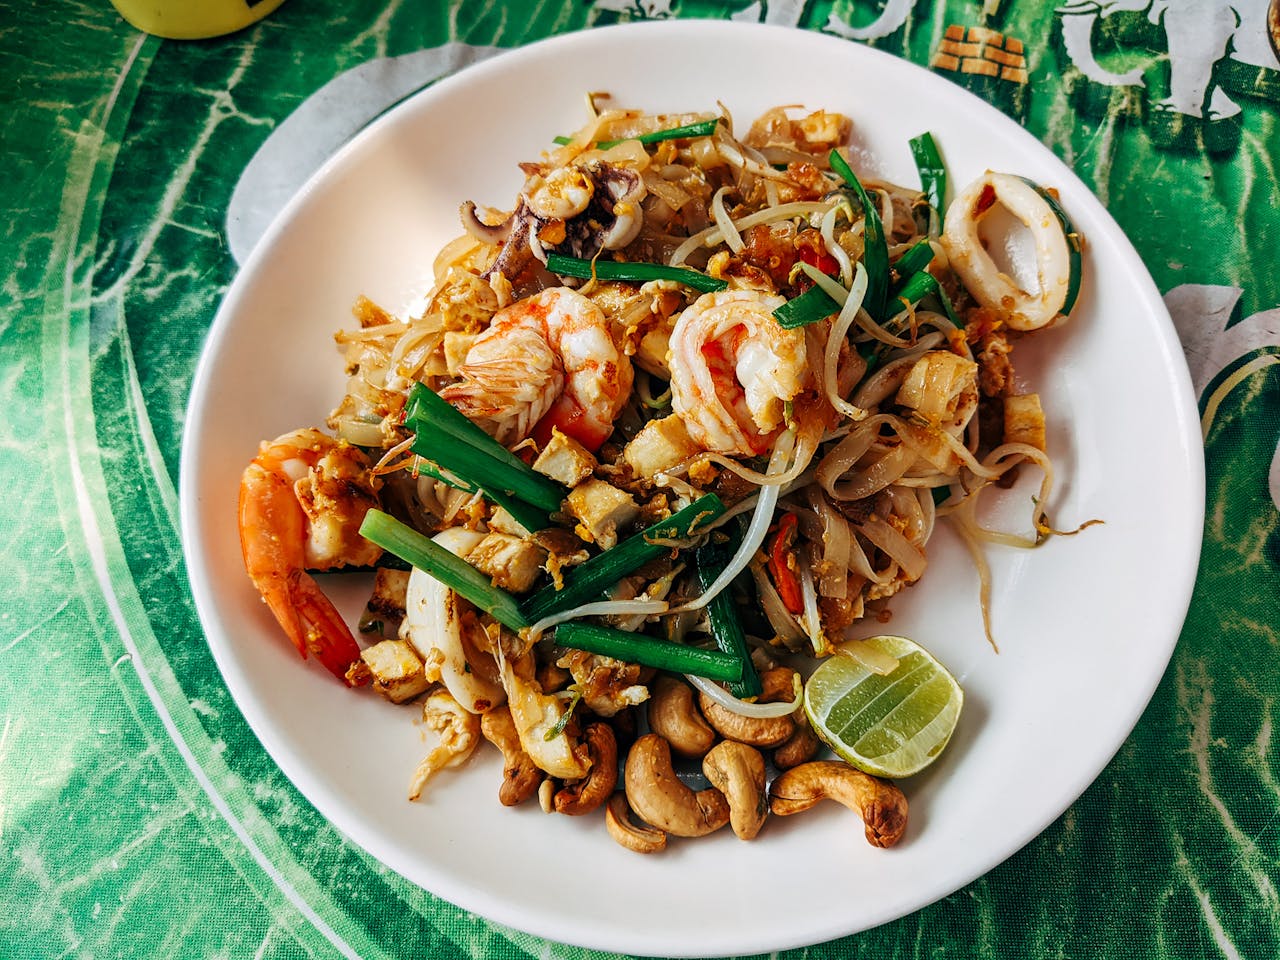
x: 1082, y: 643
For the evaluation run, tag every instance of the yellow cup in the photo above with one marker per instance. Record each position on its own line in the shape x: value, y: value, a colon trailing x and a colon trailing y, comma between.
x: 193, y: 19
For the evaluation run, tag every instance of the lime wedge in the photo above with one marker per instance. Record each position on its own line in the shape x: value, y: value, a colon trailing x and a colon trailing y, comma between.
x: 889, y: 725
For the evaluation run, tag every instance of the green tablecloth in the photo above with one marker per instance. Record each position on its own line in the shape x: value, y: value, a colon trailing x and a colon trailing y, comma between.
x: 139, y: 816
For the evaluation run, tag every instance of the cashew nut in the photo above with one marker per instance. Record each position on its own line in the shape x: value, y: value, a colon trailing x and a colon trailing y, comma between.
x: 737, y: 771
x: 880, y: 803
x: 586, y: 794
x: 777, y: 684
x: 520, y: 775
x: 798, y: 748
x: 641, y: 839
x: 659, y: 798
x: 674, y: 717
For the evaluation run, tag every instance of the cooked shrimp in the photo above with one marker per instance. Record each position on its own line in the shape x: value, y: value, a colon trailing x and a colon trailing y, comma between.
x: 302, y: 500
x: 732, y: 370
x: 550, y: 360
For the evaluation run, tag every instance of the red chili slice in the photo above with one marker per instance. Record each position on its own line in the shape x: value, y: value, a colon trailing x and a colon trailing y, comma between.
x: 820, y: 259
x: 779, y: 555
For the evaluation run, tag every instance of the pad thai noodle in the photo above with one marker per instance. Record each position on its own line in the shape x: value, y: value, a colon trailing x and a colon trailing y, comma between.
x: 671, y: 425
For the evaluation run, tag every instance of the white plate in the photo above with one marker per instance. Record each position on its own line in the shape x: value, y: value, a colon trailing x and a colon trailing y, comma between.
x: 1086, y: 624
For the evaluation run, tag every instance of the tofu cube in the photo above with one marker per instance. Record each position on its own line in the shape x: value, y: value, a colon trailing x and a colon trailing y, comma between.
x: 456, y: 345
x: 601, y: 509
x: 651, y: 355
x: 660, y: 445
x: 503, y: 522
x: 1024, y: 420
x: 512, y: 563
x: 824, y: 130
x: 385, y: 609
x: 396, y: 670
x: 566, y: 460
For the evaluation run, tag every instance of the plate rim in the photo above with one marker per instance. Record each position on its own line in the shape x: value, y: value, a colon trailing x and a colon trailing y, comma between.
x: 476, y: 900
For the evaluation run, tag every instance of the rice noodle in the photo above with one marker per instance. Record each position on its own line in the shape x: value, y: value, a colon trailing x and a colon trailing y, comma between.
x: 712, y: 235
x: 897, y: 547
x: 883, y: 420
x: 761, y: 517
x: 870, y: 480
x: 836, y: 538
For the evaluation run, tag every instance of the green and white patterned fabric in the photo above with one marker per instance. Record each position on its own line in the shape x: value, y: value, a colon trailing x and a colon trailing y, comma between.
x: 140, y: 817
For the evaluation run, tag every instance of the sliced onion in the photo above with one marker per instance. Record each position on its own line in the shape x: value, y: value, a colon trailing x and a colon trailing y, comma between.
x: 897, y: 547
x: 837, y: 539
x: 758, y: 711
x: 813, y: 620
x: 779, y: 617
x: 362, y: 433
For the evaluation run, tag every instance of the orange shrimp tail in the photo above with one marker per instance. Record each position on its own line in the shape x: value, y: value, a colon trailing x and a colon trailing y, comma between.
x: 272, y: 527
x: 319, y: 627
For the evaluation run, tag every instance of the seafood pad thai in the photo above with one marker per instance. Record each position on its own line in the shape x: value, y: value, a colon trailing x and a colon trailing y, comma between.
x: 672, y: 426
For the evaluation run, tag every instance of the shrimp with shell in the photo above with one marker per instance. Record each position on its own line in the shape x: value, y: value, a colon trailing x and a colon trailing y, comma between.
x: 733, y: 370
x: 552, y: 360
x: 302, y: 500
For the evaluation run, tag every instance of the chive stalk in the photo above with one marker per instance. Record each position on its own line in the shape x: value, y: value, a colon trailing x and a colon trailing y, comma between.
x: 810, y: 307
x: 471, y: 459
x: 722, y: 616
x: 427, y: 407
x: 933, y: 174
x: 634, y: 272
x: 910, y: 263
x: 649, y: 651
x: 454, y: 572
x: 875, y: 254
x: 703, y: 128
x: 586, y: 582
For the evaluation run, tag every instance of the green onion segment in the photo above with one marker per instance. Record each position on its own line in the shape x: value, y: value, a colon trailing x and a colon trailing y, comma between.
x: 703, y: 128
x: 933, y: 173
x: 447, y: 439
x: 586, y: 582
x: 649, y: 651
x: 810, y: 307
x: 634, y: 272
x: 912, y: 262
x: 454, y: 572
x: 722, y: 615
x: 875, y: 254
